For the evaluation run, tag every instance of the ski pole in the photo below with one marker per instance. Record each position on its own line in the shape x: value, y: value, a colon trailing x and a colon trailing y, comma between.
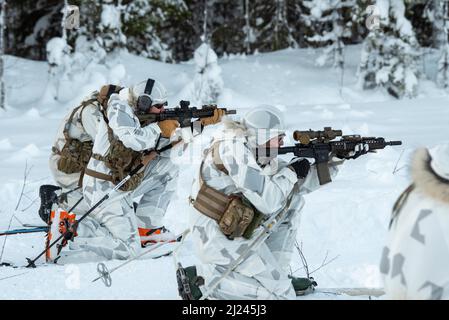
x: 62, y: 195
x: 26, y: 230
x: 68, y: 234
x: 105, y: 274
x: 264, y: 234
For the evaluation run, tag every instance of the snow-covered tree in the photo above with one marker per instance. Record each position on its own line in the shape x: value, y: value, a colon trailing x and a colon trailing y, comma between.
x: 141, y: 21
x: 111, y: 37
x: 59, y: 57
x: 435, y: 12
x: 100, y: 31
x: 247, y: 29
x: 59, y: 61
x: 273, y: 30
x: 225, y: 24
x: 30, y: 24
x: 443, y: 63
x: 328, y: 15
x: 2, y: 50
x: 390, y: 52
x: 207, y: 82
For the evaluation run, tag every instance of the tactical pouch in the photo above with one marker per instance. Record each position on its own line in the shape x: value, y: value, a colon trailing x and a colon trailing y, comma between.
x: 234, y: 214
x: 122, y: 160
x: 236, y: 218
x: 74, y: 156
x: 131, y: 184
x: 255, y: 222
x: 211, y: 202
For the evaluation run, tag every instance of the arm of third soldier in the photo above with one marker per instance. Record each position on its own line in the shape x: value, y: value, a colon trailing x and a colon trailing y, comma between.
x: 126, y: 126
x: 266, y: 192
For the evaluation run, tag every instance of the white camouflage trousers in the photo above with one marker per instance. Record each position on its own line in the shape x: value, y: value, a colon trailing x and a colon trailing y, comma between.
x: 264, y: 274
x: 154, y: 193
x: 111, y: 232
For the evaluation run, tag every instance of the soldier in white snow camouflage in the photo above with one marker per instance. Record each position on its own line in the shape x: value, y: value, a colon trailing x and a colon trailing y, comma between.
x: 134, y: 217
x: 117, y: 215
x: 266, y: 182
x: 415, y: 261
x: 80, y: 124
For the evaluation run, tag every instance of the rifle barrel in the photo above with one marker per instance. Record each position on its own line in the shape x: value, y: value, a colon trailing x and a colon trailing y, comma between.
x: 393, y: 143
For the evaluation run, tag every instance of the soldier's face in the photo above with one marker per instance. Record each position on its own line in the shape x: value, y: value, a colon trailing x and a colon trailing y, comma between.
x: 276, y: 142
x: 156, y: 109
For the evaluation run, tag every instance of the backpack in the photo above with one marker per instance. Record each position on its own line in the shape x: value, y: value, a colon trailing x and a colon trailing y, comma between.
x: 75, y: 154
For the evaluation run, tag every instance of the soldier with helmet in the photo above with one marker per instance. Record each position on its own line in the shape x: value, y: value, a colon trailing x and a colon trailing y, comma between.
x: 121, y: 144
x: 236, y: 190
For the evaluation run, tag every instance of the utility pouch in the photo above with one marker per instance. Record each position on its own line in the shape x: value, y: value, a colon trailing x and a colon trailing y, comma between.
x: 211, y: 202
x: 235, y: 215
x: 74, y: 156
x: 255, y: 222
x: 236, y: 218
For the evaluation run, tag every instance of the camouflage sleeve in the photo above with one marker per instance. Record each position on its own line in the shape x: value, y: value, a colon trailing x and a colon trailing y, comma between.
x: 126, y: 126
x: 267, y: 193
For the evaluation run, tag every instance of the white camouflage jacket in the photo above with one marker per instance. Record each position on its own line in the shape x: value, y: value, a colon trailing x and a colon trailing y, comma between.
x: 126, y: 127
x: 266, y: 188
x: 415, y: 261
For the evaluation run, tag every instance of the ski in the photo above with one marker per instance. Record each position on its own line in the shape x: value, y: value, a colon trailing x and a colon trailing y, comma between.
x: 27, y: 225
x: 351, y: 292
x: 11, y: 265
x: 24, y: 230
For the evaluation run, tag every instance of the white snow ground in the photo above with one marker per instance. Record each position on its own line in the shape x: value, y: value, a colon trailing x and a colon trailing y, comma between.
x: 346, y: 219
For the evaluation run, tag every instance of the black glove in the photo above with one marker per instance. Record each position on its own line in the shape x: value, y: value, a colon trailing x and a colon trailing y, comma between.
x: 360, y: 149
x: 301, y: 168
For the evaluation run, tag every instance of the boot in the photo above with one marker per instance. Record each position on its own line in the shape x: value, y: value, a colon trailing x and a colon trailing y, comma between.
x: 48, y: 196
x: 303, y: 286
x: 188, y: 283
x: 152, y: 236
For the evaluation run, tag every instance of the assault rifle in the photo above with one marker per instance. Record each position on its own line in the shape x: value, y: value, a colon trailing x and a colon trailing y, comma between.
x: 183, y: 114
x: 321, y: 146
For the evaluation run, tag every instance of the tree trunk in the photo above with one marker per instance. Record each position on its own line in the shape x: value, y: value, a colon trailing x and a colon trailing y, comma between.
x: 2, y: 44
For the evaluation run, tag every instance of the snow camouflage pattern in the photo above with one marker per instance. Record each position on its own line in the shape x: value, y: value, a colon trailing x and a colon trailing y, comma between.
x: 264, y: 274
x: 84, y: 127
x: 120, y: 240
x: 155, y: 192
x: 415, y: 261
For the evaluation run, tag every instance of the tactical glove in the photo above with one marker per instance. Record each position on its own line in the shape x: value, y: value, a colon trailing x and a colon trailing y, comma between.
x: 215, y: 118
x: 301, y: 168
x: 359, y: 149
x: 168, y: 127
